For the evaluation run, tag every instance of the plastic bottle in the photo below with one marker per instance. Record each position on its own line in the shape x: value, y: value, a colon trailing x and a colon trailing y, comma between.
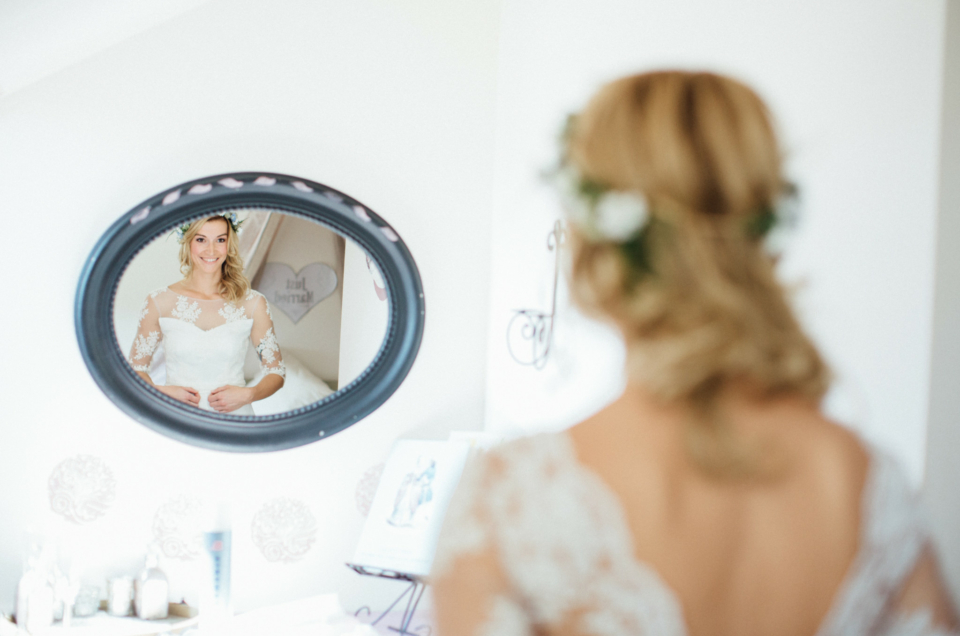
x: 216, y: 605
x: 152, y: 590
x: 35, y: 597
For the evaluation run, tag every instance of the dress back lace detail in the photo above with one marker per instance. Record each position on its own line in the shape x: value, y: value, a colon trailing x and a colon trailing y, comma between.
x: 205, y: 340
x: 561, y: 538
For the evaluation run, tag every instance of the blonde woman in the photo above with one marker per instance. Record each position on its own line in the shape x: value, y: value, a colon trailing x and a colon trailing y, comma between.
x: 713, y: 497
x: 206, y: 321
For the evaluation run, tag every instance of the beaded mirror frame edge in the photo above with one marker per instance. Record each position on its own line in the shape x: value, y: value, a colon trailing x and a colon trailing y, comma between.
x: 161, y: 213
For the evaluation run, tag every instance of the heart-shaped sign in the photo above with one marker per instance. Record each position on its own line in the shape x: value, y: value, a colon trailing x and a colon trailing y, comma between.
x: 296, y: 293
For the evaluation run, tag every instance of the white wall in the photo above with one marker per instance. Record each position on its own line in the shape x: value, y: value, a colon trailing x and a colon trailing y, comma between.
x: 390, y: 102
x: 855, y: 87
x: 365, y: 314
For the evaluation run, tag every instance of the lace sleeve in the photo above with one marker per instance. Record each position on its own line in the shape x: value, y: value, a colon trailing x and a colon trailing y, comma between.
x: 895, y: 588
x: 148, y: 336
x: 922, y: 606
x: 471, y: 590
x: 265, y: 339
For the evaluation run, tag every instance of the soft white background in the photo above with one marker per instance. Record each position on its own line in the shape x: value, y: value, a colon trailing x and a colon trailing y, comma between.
x: 439, y: 116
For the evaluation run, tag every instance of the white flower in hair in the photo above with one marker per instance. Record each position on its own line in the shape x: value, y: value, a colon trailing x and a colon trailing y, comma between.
x: 618, y: 216
x: 605, y: 215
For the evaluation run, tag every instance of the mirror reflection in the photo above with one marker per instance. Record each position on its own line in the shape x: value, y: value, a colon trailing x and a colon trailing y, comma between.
x: 250, y: 312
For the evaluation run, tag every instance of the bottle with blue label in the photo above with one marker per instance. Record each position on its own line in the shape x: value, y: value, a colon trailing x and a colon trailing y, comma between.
x: 216, y: 606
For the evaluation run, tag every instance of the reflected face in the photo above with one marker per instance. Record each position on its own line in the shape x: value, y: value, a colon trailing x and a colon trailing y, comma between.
x: 208, y: 249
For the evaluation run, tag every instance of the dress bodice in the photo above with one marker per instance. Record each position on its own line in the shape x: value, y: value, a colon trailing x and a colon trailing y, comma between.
x: 205, y: 360
x: 206, y: 340
x: 561, y: 538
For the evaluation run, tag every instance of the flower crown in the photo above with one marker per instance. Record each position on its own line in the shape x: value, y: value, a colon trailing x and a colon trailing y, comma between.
x: 604, y: 214
x: 231, y: 218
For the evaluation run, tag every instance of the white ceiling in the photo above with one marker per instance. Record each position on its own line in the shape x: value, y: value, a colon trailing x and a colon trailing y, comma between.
x: 41, y: 37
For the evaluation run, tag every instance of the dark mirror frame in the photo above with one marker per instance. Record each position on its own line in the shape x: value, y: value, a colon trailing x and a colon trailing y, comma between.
x: 159, y: 215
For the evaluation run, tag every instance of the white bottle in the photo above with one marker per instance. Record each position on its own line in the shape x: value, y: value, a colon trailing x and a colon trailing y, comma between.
x: 152, y: 590
x: 35, y: 594
x: 216, y: 605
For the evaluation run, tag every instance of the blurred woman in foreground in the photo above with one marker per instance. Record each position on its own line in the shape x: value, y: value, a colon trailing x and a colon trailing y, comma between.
x: 713, y: 497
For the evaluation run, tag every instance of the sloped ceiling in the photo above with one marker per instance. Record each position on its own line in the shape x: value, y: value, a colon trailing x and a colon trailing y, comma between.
x: 42, y: 37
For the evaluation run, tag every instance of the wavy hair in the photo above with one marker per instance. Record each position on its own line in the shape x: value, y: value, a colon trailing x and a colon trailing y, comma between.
x: 234, y: 286
x: 707, y: 310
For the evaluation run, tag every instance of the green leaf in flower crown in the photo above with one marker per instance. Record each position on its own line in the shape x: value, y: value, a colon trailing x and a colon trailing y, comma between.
x: 759, y: 225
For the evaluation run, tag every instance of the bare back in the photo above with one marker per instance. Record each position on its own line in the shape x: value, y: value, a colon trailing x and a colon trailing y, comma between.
x: 610, y: 529
x: 743, y: 557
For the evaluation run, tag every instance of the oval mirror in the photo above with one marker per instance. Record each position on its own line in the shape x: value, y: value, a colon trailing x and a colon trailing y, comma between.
x: 249, y: 312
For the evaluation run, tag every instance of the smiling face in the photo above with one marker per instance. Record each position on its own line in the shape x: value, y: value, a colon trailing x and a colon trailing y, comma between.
x: 208, y: 248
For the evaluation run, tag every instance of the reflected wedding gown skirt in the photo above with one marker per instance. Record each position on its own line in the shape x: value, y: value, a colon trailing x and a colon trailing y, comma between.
x: 206, y: 341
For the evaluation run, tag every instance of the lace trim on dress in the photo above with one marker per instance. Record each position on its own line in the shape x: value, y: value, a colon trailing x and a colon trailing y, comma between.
x: 268, y: 346
x: 143, y: 313
x: 464, y: 527
x: 561, y: 538
x: 919, y: 623
x: 266, y: 303
x: 146, y: 345
x: 232, y: 313
x: 506, y: 618
x: 280, y: 369
x: 893, y: 533
x: 267, y: 350
x: 185, y: 310
x: 253, y: 293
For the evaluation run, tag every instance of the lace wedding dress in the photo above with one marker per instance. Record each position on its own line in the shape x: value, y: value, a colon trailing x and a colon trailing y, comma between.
x: 206, y: 340
x: 560, y: 536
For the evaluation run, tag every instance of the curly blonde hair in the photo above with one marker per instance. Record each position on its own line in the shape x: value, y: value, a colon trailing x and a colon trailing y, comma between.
x: 234, y: 286
x: 708, y: 309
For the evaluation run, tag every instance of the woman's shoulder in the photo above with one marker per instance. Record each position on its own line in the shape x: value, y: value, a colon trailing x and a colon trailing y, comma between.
x: 256, y: 302
x: 832, y: 461
x: 519, y: 467
x: 530, y: 451
x: 160, y: 291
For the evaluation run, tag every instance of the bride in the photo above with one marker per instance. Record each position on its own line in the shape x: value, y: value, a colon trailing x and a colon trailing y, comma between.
x: 714, y: 497
x: 205, y: 322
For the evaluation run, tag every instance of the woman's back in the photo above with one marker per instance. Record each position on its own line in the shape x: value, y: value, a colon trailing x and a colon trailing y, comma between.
x: 743, y: 556
x: 610, y: 529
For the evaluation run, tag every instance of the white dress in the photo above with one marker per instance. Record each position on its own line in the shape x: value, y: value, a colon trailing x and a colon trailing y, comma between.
x: 561, y: 537
x: 206, y: 340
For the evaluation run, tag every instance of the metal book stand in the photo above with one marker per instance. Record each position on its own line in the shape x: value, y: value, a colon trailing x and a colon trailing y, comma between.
x: 415, y: 589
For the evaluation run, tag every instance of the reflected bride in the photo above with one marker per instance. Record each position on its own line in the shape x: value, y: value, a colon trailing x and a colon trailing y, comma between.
x: 206, y: 321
